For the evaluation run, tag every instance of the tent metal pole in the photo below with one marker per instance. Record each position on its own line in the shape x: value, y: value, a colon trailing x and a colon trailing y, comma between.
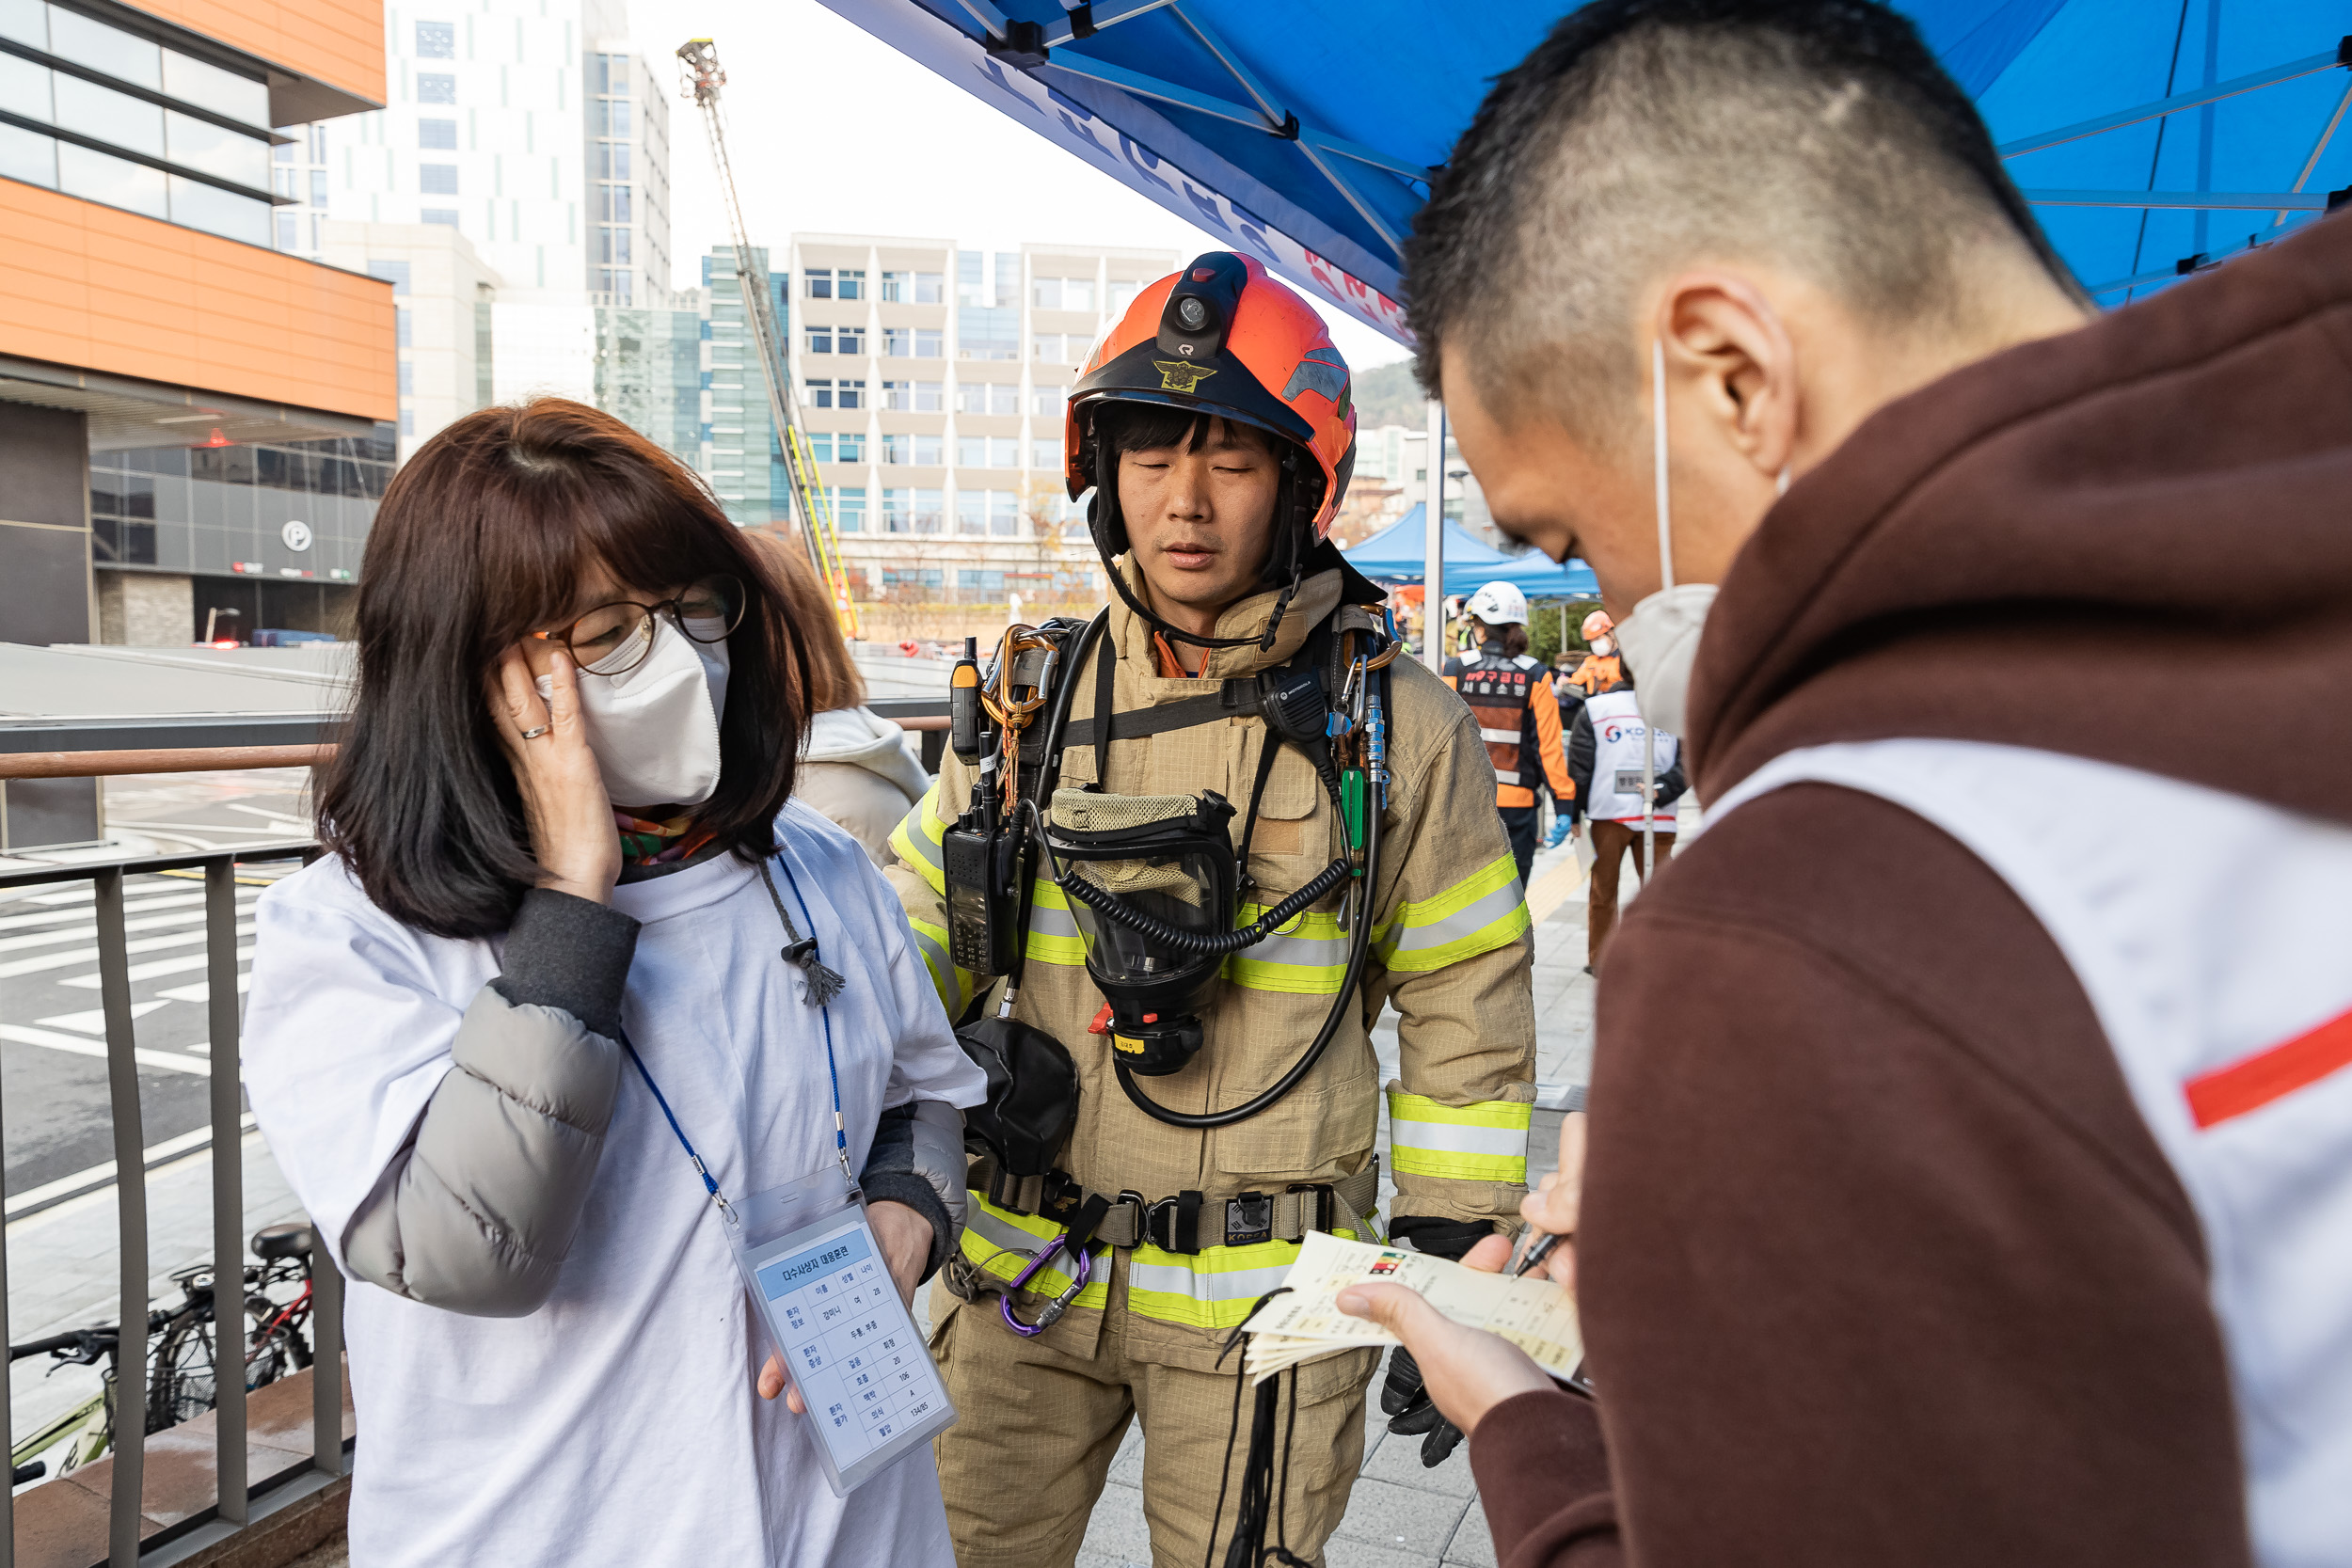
x: 1105, y: 16
x: 2248, y: 201
x: 2319, y: 148
x: 2194, y: 98
x: 1433, y: 631
x: 1186, y: 98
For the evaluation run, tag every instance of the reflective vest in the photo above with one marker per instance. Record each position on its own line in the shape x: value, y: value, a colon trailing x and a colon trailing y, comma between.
x: 2220, y: 965
x: 1618, y: 731
x: 1504, y: 694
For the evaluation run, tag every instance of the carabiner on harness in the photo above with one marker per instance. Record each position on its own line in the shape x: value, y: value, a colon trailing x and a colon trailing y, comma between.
x: 1060, y: 1304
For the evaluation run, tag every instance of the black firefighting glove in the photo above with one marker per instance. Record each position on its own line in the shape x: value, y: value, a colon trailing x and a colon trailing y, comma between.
x: 1403, y: 1398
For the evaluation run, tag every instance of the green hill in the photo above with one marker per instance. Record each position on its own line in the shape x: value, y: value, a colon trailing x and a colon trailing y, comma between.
x: 1387, y: 394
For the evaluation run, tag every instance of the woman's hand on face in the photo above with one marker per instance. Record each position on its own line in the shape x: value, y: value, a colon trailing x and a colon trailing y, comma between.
x: 564, y: 801
x: 905, y: 1236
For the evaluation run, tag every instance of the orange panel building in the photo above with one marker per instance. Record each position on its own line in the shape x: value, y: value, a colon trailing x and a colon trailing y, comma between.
x: 170, y: 383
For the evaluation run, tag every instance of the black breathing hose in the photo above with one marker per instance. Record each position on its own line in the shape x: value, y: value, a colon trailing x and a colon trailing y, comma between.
x: 1107, y: 904
x: 1300, y: 1068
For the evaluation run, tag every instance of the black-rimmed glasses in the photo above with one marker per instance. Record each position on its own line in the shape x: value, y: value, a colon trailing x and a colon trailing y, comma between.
x: 615, y: 639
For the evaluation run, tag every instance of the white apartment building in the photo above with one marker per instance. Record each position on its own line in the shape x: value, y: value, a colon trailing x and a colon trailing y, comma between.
x: 442, y: 299
x: 932, y: 380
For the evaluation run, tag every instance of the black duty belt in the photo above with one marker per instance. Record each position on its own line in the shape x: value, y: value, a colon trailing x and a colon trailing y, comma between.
x: 1191, y: 1222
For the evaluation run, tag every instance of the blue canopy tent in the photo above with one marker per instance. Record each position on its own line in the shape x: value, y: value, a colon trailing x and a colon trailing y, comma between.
x: 2150, y: 135
x: 1399, y: 554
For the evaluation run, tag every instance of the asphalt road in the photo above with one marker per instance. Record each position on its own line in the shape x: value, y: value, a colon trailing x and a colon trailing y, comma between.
x: 55, y: 1118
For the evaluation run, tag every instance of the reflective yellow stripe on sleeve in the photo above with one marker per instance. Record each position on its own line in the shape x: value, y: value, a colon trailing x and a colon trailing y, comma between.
x: 917, y: 839
x: 1481, y: 1142
x: 1485, y: 911
x: 954, y: 985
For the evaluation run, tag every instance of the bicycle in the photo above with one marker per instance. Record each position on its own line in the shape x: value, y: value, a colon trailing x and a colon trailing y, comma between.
x: 183, y: 1374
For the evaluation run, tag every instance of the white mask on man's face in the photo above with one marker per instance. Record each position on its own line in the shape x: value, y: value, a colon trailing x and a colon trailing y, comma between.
x: 654, y: 730
x: 1660, y: 638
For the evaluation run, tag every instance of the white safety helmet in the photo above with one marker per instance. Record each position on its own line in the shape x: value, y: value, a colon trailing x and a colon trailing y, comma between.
x: 1500, y: 604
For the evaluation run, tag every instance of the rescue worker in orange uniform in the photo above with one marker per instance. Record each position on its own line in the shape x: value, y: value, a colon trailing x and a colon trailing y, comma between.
x: 1518, y: 715
x: 1600, y: 671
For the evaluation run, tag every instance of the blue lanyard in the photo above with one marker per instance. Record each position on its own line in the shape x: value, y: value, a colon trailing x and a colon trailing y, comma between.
x: 833, y: 1070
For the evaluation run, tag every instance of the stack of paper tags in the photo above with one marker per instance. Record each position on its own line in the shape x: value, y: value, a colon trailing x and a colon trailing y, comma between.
x: 1532, y: 1313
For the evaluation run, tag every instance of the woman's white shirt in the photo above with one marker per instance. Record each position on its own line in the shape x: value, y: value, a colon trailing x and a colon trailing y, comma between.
x: 617, y: 1424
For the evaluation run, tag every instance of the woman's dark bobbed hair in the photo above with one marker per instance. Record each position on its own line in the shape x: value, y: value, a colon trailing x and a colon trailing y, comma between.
x: 482, y: 538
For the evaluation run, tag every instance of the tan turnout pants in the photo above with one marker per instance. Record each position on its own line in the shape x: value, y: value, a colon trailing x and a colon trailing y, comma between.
x: 1037, y: 1431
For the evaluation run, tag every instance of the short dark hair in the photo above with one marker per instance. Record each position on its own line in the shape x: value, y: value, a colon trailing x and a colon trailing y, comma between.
x: 1645, y: 133
x: 1128, y: 425
x: 482, y: 537
x: 1513, y: 634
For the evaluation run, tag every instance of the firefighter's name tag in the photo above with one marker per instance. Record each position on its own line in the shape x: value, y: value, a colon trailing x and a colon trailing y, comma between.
x: 1629, y: 782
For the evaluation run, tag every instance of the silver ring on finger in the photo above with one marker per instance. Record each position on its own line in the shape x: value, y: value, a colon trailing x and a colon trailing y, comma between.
x: 536, y: 734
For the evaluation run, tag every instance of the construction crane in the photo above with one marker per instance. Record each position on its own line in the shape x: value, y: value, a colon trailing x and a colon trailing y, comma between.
x: 812, y: 504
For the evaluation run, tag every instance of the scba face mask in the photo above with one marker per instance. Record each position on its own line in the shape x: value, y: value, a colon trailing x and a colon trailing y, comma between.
x: 654, y: 730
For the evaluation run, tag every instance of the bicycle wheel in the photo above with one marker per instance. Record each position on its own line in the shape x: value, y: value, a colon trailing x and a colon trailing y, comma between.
x: 277, y: 1353
x: 184, y: 1381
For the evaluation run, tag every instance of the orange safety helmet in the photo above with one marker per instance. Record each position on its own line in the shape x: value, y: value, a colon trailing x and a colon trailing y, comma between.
x: 1226, y: 337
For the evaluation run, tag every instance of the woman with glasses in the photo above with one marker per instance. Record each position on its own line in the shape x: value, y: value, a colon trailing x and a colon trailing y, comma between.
x: 565, y: 867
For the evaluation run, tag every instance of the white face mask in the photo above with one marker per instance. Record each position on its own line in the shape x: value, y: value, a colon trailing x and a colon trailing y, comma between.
x: 655, y: 729
x: 1604, y: 646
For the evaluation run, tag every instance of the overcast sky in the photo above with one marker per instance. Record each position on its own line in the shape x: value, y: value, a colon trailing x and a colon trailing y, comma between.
x: 831, y: 131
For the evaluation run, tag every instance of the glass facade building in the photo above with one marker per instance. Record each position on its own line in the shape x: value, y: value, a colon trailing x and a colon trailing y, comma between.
x: 110, y: 116
x: 742, y: 458
x: 649, y: 375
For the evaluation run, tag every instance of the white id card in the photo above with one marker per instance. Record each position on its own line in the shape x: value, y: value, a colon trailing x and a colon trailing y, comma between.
x: 848, y: 1343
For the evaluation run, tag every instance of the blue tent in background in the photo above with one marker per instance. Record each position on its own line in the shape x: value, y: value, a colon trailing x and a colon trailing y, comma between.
x: 2149, y: 133
x: 1398, y: 554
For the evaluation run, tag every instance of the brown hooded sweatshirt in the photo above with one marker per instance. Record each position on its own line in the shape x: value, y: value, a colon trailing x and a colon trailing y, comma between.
x: 1881, y: 1264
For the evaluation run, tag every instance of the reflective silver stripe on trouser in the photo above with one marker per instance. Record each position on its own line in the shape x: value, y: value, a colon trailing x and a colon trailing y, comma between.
x: 1201, y: 1285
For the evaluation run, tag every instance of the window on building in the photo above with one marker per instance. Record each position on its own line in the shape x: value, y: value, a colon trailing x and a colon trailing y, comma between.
x: 899, y: 395
x: 912, y: 288
x: 819, y: 393
x: 977, y: 578
x: 1045, y: 292
x: 849, y: 447
x: 849, y: 509
x: 848, y: 284
x: 972, y: 452
x: 1120, y: 294
x: 898, y: 447
x: 1077, y: 294
x: 395, y: 273
x: 894, y: 289
x: 438, y: 179
x: 1047, y: 400
x: 436, y: 86
x: 930, y: 287
x: 971, y: 279
x: 611, y: 160
x: 612, y: 204
x: 897, y: 343
x: 1004, y: 397
x: 289, y: 231
x: 445, y: 215
x: 972, y: 397
x: 613, y: 247
x: 930, y: 514
x: 1046, y: 454
x: 820, y: 340
x: 971, y: 517
x: 931, y: 450
x: 608, y: 117
x: 1004, y: 452
x: 1048, y: 346
x: 849, y: 339
x: 436, y: 40
x: 852, y: 394
x: 816, y: 282
x: 439, y: 135
x: 318, y: 187
x: 407, y: 375
x: 616, y: 281
x: 400, y: 327
x: 929, y: 343
x: 987, y: 333
x: 1004, y: 514
x: 931, y: 397
x: 820, y: 445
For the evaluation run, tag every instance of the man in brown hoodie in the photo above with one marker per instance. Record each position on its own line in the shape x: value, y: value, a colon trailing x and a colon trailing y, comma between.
x: 1970, y: 1177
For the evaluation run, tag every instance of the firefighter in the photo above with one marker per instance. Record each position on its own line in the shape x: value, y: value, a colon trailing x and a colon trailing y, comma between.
x: 1600, y: 669
x: 1215, y: 426
x: 1518, y: 715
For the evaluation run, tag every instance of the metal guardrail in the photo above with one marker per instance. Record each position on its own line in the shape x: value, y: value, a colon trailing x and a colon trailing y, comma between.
x: 97, y: 747
x: 236, y: 1505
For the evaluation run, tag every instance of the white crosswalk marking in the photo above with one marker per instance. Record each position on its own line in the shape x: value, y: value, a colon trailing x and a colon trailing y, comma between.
x: 89, y: 954
x: 130, y: 906
x: 94, y: 1021
x: 83, y: 932
x: 170, y: 1061
x: 162, y: 966
x: 202, y: 991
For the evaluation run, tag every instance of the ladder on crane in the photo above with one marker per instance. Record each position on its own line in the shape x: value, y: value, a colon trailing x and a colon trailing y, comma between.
x: 812, y: 502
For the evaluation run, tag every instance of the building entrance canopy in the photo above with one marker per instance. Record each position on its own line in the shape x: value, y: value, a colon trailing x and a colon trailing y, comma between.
x: 2150, y: 135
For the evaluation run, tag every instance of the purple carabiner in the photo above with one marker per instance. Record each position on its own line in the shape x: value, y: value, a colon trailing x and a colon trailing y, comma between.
x: 1060, y: 1304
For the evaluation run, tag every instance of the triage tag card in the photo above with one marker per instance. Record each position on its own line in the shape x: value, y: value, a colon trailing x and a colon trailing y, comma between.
x: 849, y: 1346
